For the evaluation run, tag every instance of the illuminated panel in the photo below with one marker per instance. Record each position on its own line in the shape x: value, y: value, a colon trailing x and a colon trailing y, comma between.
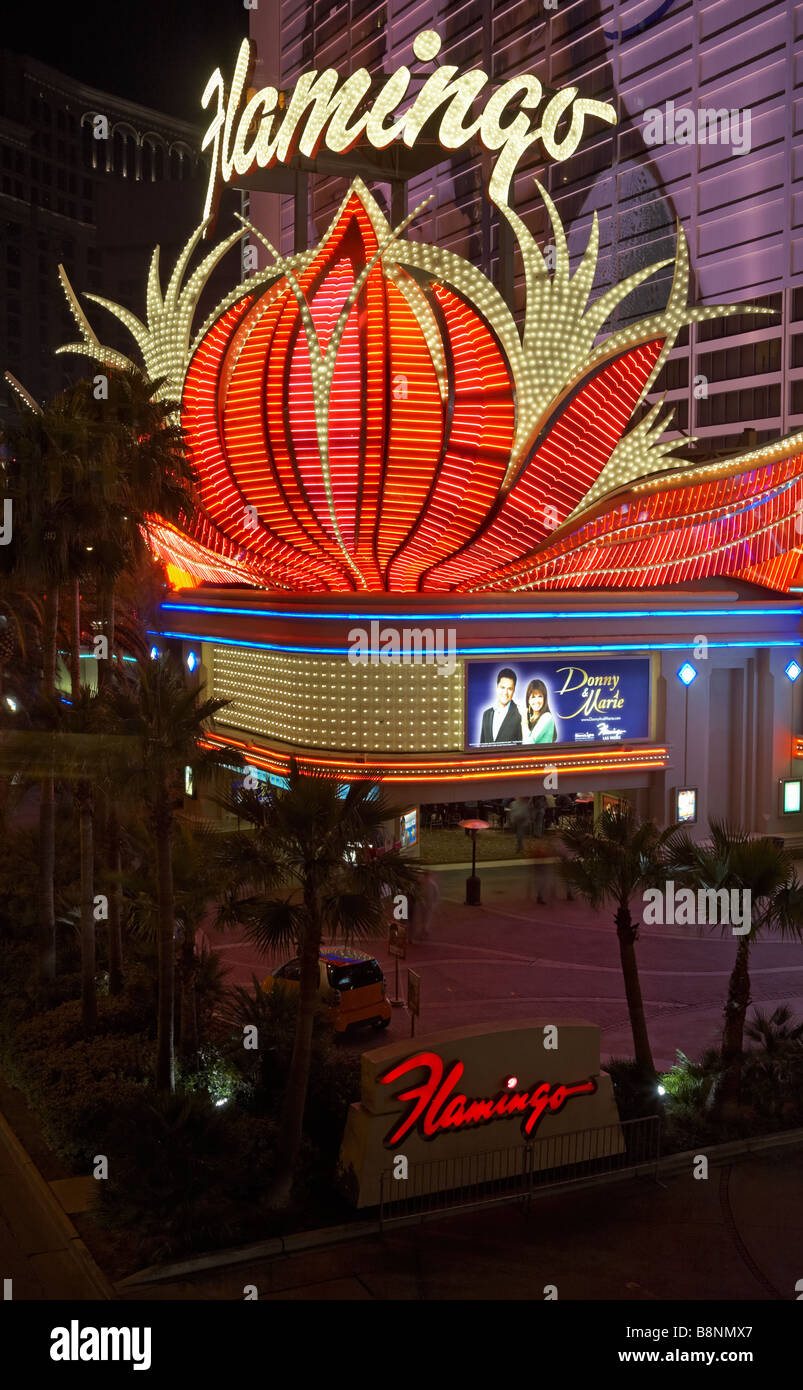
x: 320, y: 702
x: 456, y: 770
x: 560, y: 472
x: 477, y: 448
x: 675, y: 534
x: 189, y: 563
x: 779, y: 573
x: 344, y: 416
x: 368, y: 405
x: 275, y: 492
x: 416, y: 428
x: 219, y: 493
x: 258, y: 413
x: 296, y: 399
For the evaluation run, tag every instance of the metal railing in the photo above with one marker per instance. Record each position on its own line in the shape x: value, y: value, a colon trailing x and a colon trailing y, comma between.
x: 516, y: 1174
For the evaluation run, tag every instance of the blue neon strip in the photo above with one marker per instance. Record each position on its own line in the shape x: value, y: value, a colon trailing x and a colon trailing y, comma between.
x: 90, y: 656
x: 481, y: 617
x: 469, y: 651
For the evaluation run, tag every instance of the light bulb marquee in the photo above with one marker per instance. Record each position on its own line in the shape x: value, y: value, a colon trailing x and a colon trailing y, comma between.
x: 255, y: 130
x: 368, y: 416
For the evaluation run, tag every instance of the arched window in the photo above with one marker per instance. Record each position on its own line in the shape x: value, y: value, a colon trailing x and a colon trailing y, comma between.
x: 89, y: 145
x: 153, y: 155
x: 119, y: 153
x: 181, y: 159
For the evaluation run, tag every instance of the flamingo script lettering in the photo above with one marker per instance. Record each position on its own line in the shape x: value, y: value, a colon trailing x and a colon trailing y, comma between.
x: 434, y: 1106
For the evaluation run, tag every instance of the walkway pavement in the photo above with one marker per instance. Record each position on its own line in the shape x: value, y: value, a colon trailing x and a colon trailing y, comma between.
x: 41, y: 1254
x: 514, y: 957
x: 736, y: 1235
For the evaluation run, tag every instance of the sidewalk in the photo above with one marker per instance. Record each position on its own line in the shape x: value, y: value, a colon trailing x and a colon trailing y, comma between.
x: 41, y: 1252
x: 735, y: 1236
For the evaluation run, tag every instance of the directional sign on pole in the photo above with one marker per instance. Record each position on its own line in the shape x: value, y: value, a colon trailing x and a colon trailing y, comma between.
x: 413, y: 998
x: 397, y: 940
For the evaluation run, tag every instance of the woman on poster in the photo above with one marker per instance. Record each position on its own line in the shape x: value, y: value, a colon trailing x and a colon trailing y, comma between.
x: 541, y: 727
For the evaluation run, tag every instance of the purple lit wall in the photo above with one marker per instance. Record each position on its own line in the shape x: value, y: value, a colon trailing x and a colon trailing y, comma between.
x: 742, y: 211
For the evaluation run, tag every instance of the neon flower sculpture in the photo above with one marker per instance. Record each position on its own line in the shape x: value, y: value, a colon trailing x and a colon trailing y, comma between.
x: 368, y: 416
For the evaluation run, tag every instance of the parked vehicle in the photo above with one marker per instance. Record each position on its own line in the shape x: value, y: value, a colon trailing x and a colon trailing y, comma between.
x: 351, y: 987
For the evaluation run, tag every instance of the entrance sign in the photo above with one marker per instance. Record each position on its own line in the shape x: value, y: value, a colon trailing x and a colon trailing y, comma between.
x: 255, y: 130
x: 435, y: 1108
x: 479, y: 1090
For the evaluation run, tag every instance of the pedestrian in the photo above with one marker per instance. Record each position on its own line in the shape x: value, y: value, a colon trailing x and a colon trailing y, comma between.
x: 427, y: 902
x: 519, y: 819
x: 539, y: 812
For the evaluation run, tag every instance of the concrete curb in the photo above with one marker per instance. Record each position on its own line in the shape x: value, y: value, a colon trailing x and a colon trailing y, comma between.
x: 73, y: 1244
x: 338, y: 1235
x: 264, y: 1249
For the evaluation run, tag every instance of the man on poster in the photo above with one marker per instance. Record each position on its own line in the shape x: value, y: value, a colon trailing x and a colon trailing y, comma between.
x: 501, y: 722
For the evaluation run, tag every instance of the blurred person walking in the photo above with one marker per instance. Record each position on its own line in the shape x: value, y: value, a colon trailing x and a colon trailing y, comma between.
x: 423, y: 909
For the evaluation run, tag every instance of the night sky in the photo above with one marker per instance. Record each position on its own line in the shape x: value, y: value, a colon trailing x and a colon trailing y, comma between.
x: 158, y: 52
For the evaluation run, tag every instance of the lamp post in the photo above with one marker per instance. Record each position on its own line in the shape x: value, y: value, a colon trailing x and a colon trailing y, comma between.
x: 473, y: 883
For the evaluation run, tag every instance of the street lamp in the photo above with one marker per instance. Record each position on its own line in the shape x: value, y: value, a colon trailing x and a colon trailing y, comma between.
x: 473, y: 883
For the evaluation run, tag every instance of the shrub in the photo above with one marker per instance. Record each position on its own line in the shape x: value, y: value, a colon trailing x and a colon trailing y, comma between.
x: 692, y: 1084
x: 177, y: 1167
x: 75, y: 1090
x: 214, y: 1077
x: 118, y: 1015
x: 334, y: 1075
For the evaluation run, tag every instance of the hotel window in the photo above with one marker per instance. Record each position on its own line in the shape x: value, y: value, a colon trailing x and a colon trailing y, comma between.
x: 797, y: 305
x: 680, y: 419
x: 740, y: 323
x: 796, y: 398
x: 751, y: 360
x: 760, y: 403
x: 674, y: 375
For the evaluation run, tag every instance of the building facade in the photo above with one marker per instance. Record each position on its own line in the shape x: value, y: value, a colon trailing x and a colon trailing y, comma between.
x: 295, y: 687
x: 387, y: 444
x: 92, y: 182
x: 732, y: 383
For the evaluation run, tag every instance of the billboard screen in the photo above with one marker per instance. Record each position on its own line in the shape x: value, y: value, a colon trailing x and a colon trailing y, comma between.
x: 536, y: 703
x: 408, y: 829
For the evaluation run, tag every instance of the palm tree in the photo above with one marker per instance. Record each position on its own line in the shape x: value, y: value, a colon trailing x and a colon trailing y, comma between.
x: 618, y: 858
x: 193, y: 885
x: 168, y: 720
x: 304, y: 870
x: 42, y: 453
x: 82, y: 718
x: 140, y: 467
x: 66, y: 741
x: 729, y: 860
x: 21, y: 618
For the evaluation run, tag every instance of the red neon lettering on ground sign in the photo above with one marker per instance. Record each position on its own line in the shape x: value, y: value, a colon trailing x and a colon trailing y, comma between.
x: 435, y: 1107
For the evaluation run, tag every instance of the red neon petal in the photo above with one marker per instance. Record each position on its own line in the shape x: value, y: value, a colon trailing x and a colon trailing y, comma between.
x: 560, y: 472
